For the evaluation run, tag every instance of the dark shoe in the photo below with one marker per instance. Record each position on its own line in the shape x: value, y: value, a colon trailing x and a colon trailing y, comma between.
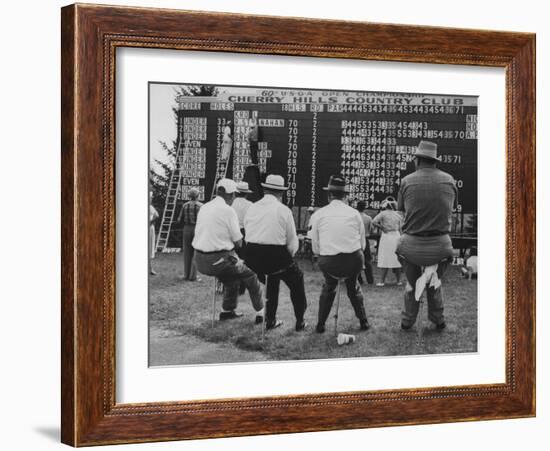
x: 364, y: 324
x: 259, y: 319
x: 320, y: 328
x: 441, y: 326
x: 273, y: 325
x: 230, y: 315
x: 405, y: 327
x: 300, y: 326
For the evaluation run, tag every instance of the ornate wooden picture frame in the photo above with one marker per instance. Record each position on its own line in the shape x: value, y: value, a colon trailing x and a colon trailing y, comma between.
x: 90, y: 37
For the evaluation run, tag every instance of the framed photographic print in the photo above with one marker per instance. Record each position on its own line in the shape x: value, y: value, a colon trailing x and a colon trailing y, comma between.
x: 279, y: 225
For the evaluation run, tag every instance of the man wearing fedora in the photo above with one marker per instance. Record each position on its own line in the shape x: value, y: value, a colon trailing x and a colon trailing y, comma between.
x: 241, y: 205
x: 338, y: 237
x: 217, y: 235
x: 271, y: 244
x: 427, y: 198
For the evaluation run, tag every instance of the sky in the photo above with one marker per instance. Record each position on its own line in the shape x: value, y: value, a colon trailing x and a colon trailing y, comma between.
x: 162, y: 124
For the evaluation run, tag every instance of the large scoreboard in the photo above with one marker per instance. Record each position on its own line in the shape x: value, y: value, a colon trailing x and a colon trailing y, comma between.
x: 307, y: 135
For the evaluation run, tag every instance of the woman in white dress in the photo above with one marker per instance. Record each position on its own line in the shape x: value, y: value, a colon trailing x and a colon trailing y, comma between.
x: 389, y: 222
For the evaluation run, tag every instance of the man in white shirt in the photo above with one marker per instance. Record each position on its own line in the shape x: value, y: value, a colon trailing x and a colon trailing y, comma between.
x: 241, y: 204
x: 338, y: 237
x: 217, y: 235
x: 271, y: 244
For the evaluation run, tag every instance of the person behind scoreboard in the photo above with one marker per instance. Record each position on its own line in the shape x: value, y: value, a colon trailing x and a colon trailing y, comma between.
x: 427, y: 197
x: 338, y: 237
x: 271, y: 245
x: 217, y: 235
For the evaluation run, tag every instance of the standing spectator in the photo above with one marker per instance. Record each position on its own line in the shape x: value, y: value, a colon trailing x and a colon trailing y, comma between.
x: 338, y: 237
x: 153, y: 216
x: 188, y: 217
x: 389, y: 223
x: 217, y: 235
x: 367, y: 222
x: 427, y: 197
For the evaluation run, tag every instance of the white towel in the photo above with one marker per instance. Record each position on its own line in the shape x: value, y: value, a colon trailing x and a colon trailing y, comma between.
x: 428, y: 277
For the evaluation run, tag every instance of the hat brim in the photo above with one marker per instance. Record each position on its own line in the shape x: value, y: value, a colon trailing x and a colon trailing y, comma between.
x: 244, y: 191
x: 274, y: 187
x: 416, y: 154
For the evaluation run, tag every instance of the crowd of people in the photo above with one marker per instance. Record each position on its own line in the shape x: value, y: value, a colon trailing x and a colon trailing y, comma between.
x: 252, y: 246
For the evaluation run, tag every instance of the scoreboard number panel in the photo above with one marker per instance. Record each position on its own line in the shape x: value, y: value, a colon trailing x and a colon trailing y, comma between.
x: 307, y: 135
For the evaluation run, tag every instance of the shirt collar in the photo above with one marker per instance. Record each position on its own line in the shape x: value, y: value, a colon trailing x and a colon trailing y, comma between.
x: 336, y: 202
x: 270, y: 198
x: 220, y: 200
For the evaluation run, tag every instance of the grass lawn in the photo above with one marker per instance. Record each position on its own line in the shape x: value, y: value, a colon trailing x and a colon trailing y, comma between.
x: 181, y: 333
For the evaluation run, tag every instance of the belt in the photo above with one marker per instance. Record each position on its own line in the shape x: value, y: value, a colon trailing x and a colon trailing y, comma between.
x: 428, y: 234
x: 213, y: 252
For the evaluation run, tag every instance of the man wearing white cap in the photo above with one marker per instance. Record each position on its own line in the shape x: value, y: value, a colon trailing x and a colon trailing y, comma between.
x: 427, y: 197
x: 338, y: 237
x: 217, y: 235
x: 271, y: 244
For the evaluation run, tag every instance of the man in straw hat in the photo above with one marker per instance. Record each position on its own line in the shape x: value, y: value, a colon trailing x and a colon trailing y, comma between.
x: 241, y: 204
x: 217, y: 235
x: 338, y: 237
x: 427, y: 198
x: 271, y: 245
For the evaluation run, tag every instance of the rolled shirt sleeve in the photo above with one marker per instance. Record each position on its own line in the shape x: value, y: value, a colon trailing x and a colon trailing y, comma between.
x: 292, y: 242
x: 315, y: 235
x: 400, y: 199
x: 362, y: 234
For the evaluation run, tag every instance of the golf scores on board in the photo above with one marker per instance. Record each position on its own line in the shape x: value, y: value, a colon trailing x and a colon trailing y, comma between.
x: 299, y: 224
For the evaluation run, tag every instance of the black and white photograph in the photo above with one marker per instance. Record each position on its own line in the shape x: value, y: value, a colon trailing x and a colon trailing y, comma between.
x: 301, y: 224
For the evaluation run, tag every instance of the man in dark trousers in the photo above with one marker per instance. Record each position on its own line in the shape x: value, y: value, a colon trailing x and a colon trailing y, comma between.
x: 188, y: 218
x: 338, y: 237
x: 271, y: 244
x: 427, y: 198
x: 217, y: 235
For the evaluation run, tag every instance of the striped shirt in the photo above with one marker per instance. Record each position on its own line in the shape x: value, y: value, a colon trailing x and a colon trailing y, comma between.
x: 189, y: 212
